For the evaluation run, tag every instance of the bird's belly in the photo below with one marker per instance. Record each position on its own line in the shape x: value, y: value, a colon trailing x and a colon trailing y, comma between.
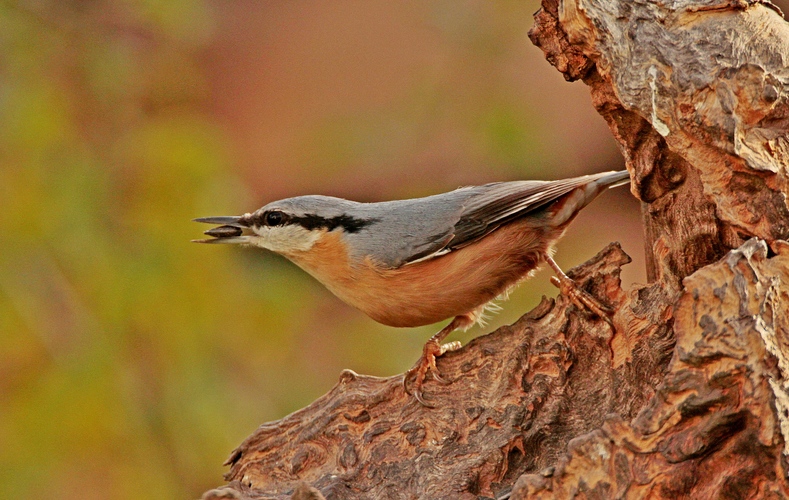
x: 457, y: 283
x: 414, y: 300
x: 431, y: 290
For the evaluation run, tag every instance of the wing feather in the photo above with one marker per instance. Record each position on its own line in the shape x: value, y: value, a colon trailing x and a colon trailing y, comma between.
x: 496, y: 204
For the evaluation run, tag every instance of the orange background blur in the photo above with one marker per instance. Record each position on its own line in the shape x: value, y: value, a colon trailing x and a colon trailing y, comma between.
x: 132, y: 361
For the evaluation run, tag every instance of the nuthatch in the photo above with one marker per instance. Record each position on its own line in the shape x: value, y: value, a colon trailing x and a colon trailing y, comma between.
x: 414, y: 262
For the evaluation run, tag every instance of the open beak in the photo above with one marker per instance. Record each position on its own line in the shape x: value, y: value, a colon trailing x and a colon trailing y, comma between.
x: 231, y: 229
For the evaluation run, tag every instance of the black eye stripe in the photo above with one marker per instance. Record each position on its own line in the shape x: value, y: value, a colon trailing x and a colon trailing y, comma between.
x: 348, y: 223
x: 273, y: 218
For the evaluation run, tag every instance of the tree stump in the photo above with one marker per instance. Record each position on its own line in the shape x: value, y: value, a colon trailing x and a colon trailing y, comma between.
x: 687, y: 393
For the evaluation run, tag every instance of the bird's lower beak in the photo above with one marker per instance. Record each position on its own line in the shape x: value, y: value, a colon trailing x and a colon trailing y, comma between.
x: 231, y: 229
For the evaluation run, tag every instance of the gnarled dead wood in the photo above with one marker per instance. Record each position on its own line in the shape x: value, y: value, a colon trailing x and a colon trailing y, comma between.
x: 517, y: 396
x: 695, y: 93
x: 718, y: 425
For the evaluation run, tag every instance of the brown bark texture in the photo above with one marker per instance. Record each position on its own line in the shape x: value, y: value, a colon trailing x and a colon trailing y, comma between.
x: 686, y: 394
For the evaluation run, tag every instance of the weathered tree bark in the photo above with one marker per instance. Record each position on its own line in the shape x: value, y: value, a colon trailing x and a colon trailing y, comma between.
x: 688, y: 392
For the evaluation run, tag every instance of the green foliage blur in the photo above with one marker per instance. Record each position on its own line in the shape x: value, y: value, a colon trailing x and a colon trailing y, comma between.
x: 133, y: 361
x: 113, y: 382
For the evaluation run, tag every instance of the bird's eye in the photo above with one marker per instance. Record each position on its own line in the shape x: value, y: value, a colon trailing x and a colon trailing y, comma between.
x: 275, y: 218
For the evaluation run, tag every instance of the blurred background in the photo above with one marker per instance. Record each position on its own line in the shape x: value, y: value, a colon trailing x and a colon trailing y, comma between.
x: 132, y: 361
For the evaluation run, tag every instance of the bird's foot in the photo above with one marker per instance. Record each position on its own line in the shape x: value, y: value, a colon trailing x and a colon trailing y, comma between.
x: 427, y: 364
x: 581, y: 298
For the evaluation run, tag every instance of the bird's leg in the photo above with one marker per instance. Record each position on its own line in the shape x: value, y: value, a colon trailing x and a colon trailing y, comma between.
x: 579, y: 297
x: 427, y: 362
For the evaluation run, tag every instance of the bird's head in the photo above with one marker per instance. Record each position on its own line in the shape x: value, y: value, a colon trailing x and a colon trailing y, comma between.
x: 286, y: 226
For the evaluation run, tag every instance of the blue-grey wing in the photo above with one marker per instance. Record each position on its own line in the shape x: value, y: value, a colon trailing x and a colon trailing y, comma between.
x: 488, y: 207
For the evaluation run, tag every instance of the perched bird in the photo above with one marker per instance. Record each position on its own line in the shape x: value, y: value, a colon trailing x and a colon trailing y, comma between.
x: 409, y: 263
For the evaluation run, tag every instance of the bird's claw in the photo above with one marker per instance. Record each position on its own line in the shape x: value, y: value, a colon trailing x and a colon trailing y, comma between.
x: 427, y: 364
x: 581, y: 298
x: 438, y: 378
x: 418, y: 396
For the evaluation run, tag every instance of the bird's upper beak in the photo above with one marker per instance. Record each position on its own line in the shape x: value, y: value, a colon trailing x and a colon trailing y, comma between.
x: 231, y: 229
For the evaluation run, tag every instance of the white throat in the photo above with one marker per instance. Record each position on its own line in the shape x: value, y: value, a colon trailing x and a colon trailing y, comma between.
x: 284, y: 239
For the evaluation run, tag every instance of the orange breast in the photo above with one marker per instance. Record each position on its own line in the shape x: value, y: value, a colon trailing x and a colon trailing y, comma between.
x: 432, y: 290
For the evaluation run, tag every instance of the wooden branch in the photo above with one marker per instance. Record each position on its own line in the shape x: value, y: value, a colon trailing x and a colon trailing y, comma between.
x: 561, y: 404
x: 718, y: 424
x: 695, y: 94
x: 517, y: 397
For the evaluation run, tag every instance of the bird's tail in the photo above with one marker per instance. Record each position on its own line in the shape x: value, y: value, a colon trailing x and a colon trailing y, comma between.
x: 614, y: 179
x: 584, y: 193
